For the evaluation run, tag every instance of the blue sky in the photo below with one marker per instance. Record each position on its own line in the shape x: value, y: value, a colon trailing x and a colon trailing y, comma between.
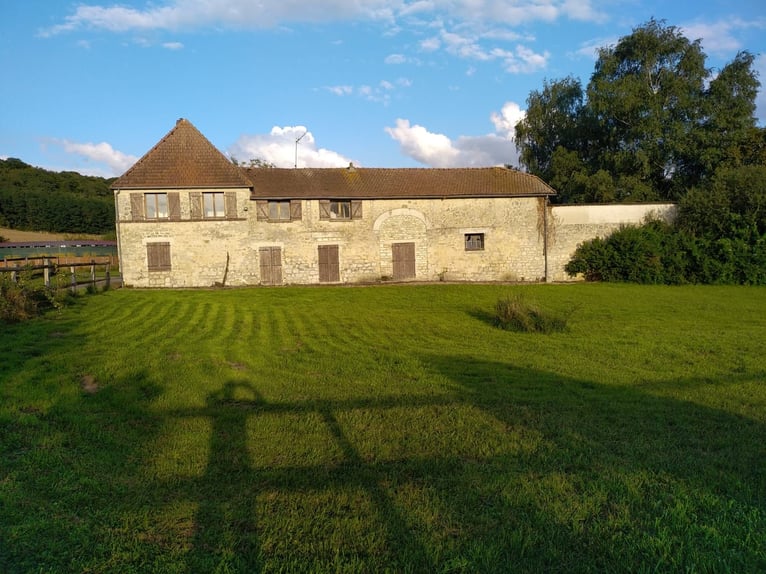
x: 91, y: 86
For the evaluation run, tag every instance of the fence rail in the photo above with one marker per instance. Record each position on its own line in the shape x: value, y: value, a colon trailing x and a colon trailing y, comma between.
x: 50, y: 267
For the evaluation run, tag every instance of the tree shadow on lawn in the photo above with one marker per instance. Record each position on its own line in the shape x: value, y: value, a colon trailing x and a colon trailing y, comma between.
x: 635, y: 481
x: 550, y: 474
x: 598, y: 478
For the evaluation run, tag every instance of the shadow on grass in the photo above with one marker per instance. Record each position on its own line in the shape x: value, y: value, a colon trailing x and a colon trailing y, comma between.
x: 580, y: 477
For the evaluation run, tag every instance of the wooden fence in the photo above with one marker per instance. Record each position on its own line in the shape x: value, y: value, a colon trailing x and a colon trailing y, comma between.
x: 48, y: 267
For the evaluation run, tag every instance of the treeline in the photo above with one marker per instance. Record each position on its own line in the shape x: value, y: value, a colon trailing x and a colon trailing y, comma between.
x: 654, y: 123
x: 35, y: 199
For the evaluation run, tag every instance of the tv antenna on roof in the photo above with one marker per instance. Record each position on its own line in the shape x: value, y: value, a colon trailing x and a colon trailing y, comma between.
x: 296, y: 147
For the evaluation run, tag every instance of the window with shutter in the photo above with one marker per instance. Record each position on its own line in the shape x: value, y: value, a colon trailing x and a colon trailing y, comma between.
x: 324, y: 209
x: 174, y: 206
x: 356, y: 209
x: 230, y: 200
x: 296, y: 211
x: 262, y: 210
x: 156, y: 205
x: 158, y: 256
x: 195, y: 205
x: 137, y: 206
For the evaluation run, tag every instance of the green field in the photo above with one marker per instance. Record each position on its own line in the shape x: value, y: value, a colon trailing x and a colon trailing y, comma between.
x: 389, y: 428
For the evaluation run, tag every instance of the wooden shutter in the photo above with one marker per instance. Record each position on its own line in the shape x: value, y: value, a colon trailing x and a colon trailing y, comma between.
x: 137, y: 206
x: 271, y: 265
x: 230, y: 204
x: 324, y: 209
x: 356, y: 209
x: 195, y: 205
x: 174, y: 206
x: 158, y: 256
x: 329, y: 267
x: 295, y: 209
x: 262, y: 210
x: 403, y: 258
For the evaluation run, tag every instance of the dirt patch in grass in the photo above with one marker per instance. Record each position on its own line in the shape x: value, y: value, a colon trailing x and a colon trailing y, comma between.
x: 89, y: 385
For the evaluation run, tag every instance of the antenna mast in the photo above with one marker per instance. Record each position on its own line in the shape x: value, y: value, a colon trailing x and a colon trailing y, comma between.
x: 296, y: 148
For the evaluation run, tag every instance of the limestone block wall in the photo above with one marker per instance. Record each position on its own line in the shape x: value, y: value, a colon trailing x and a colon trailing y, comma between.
x: 206, y: 252
x: 571, y: 225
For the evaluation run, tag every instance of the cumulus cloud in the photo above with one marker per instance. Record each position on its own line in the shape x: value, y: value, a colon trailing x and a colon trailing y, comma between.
x: 279, y: 148
x: 100, y: 158
x: 438, y: 150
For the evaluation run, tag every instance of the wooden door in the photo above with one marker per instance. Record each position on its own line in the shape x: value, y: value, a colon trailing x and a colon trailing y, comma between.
x: 329, y: 265
x: 403, y: 256
x: 271, y: 265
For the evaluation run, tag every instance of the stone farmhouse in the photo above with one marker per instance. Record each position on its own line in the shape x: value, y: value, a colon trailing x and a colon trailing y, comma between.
x: 189, y: 217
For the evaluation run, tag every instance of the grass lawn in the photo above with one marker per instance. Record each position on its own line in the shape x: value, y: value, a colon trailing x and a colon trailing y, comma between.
x: 389, y: 428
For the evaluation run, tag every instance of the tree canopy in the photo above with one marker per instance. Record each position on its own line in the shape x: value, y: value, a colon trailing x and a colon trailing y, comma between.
x: 36, y: 199
x: 652, y: 122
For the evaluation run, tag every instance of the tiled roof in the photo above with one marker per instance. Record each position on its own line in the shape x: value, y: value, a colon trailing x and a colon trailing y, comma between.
x: 371, y: 183
x: 184, y: 158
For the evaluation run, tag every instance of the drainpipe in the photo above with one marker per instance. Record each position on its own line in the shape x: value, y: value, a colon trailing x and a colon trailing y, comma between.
x: 545, y: 237
x: 119, y: 235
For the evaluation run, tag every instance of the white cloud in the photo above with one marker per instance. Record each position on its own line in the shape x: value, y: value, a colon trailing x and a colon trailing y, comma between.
x: 380, y: 94
x: 340, y: 90
x: 395, y: 59
x: 438, y: 150
x: 186, y: 14
x: 279, y: 147
x: 101, y: 158
x: 173, y: 45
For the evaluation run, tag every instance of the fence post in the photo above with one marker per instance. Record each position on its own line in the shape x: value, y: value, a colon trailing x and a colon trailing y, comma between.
x: 46, y: 272
x: 93, y: 272
x: 74, y: 280
x: 108, y: 274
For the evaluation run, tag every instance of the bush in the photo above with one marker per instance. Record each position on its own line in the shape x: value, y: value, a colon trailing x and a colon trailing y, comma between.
x: 23, y: 299
x: 513, y: 313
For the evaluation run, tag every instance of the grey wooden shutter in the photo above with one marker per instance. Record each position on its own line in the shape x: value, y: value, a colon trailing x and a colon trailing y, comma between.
x: 324, y: 209
x: 262, y: 210
x: 174, y: 206
x: 230, y: 204
x: 295, y: 209
x: 356, y: 209
x: 195, y: 205
x: 137, y: 206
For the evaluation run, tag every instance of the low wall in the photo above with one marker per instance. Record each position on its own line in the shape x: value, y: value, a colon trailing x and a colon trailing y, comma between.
x: 571, y: 225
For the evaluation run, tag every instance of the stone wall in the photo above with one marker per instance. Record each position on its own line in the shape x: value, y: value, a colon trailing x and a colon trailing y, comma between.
x: 208, y: 252
x: 571, y: 225
x: 205, y: 252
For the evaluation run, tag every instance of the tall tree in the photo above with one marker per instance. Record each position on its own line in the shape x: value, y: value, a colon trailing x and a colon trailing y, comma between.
x: 651, y: 123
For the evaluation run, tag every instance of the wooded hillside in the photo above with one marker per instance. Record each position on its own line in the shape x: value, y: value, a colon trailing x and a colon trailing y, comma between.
x: 36, y: 199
